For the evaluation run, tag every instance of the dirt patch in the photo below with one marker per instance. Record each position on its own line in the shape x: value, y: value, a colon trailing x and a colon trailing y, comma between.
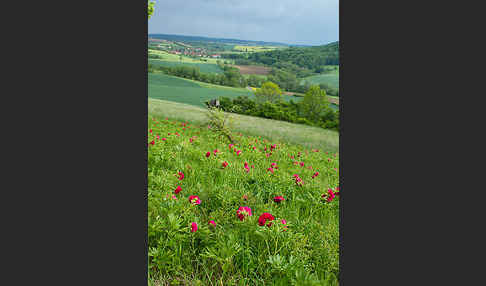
x: 253, y: 69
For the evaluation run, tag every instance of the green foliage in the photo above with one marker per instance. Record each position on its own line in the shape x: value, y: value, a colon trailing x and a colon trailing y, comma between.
x: 314, y: 103
x: 150, y: 8
x: 238, y: 252
x: 268, y: 92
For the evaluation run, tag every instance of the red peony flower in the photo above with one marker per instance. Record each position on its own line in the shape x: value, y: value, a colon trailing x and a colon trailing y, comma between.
x: 225, y: 164
x: 215, y: 151
x: 278, y: 199
x: 270, y: 169
x: 242, y: 212
x: 152, y: 143
x: 150, y: 130
x: 177, y: 190
x: 212, y: 222
x: 231, y: 146
x: 264, y: 218
x: 181, y: 176
x: 238, y: 152
x: 301, y: 164
x: 163, y: 139
x: 208, y: 154
x: 193, y: 227
x: 194, y: 200
x: 315, y: 175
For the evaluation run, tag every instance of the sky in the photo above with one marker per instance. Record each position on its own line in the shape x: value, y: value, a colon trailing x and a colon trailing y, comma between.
x: 309, y: 22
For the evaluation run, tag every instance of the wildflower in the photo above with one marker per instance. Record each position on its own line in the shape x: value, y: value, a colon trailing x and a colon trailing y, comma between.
x: 193, y: 227
x: 278, y: 199
x: 242, y: 212
x: 150, y: 130
x: 252, y: 166
x: 163, y: 139
x: 329, y: 159
x: 181, y: 176
x: 310, y: 167
x: 208, y: 154
x: 212, y: 222
x: 158, y: 137
x: 230, y: 146
x: 177, y: 134
x: 315, y: 175
x: 264, y: 218
x: 274, y: 165
x: 178, y: 190
x: 191, y: 139
x: 238, y: 152
x: 329, y: 196
x: 284, y: 222
x: 174, y: 197
x: 215, y: 151
x: 272, y: 147
x: 194, y: 200
x: 270, y: 169
x: 225, y: 164
x: 153, y: 142
x: 254, y: 148
x: 301, y: 164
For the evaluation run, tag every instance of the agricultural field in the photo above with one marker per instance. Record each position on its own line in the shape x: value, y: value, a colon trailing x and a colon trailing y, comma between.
x: 258, y: 70
x: 254, y: 49
x: 260, y: 212
x: 331, y: 78
x: 203, y: 67
x: 165, y: 87
x: 177, y: 58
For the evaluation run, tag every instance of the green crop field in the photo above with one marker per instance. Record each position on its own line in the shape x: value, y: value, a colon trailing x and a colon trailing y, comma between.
x: 203, y: 67
x: 330, y: 78
x: 177, y: 58
x: 199, y: 186
x: 161, y: 86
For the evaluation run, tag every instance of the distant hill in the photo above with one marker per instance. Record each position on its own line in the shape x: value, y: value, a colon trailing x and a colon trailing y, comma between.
x: 182, y: 38
x: 312, y: 57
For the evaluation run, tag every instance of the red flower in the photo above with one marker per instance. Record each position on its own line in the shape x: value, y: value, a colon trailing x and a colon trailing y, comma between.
x: 153, y: 142
x: 163, y: 139
x: 208, y: 154
x: 238, y: 152
x: 274, y: 165
x: 278, y: 199
x: 177, y: 190
x: 212, y: 222
x: 193, y: 227
x: 242, y: 212
x: 270, y: 169
x: 150, y: 130
x: 225, y: 164
x: 158, y: 137
x: 329, y: 196
x: 301, y: 164
x: 272, y: 147
x: 315, y: 175
x: 284, y: 222
x: 264, y: 218
x: 181, y: 176
x: 194, y: 200
x: 230, y: 146
x: 215, y: 151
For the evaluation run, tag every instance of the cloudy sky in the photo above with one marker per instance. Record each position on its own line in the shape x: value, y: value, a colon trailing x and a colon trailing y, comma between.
x: 309, y: 22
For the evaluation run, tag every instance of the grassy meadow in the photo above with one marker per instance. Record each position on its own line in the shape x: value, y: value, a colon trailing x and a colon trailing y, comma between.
x: 331, y: 78
x: 274, y: 130
x: 162, y: 86
x: 262, y: 212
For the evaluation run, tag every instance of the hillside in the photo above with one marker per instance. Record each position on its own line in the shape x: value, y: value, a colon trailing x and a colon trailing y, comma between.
x: 312, y: 58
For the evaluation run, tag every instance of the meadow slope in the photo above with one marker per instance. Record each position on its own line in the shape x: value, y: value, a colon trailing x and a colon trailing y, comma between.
x: 255, y: 213
x: 303, y: 135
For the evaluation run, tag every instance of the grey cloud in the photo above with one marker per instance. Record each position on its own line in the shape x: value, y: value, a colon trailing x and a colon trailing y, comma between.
x: 313, y: 22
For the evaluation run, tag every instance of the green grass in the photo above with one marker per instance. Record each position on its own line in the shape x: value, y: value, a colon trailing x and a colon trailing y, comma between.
x: 161, y: 86
x: 176, y: 58
x: 237, y: 252
x: 254, y: 49
x: 303, y: 135
x: 331, y: 78
x: 203, y: 67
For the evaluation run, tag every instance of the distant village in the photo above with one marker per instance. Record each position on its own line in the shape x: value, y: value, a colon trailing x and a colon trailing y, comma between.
x: 178, y: 48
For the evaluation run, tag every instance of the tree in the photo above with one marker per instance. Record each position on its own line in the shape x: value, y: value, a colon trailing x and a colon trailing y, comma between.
x: 150, y: 8
x: 268, y: 92
x: 314, y: 103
